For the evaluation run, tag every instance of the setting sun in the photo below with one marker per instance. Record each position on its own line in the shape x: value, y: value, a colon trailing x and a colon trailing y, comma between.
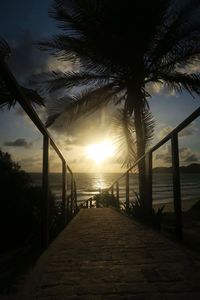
x: 100, y: 152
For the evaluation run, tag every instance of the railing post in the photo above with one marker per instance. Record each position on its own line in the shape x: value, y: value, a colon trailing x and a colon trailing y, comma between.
x: 176, y: 186
x: 72, y: 195
x: 64, y: 191
x: 112, y: 190
x: 148, y: 195
x: 45, y: 191
x: 127, y: 192
x: 117, y: 193
x: 75, y: 196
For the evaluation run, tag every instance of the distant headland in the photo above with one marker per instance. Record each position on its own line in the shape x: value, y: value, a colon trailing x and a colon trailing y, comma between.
x: 192, y: 168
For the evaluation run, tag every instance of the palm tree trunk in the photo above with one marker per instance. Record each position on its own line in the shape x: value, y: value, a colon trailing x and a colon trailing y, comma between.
x: 140, y: 142
x: 135, y: 104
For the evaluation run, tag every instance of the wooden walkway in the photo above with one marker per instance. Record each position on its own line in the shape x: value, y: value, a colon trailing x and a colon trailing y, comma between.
x: 102, y: 254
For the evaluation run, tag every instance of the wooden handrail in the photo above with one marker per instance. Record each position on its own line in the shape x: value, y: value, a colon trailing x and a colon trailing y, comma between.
x: 19, y: 96
x: 173, y: 137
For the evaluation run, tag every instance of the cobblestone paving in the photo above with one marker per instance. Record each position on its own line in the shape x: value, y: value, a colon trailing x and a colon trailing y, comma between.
x: 104, y: 255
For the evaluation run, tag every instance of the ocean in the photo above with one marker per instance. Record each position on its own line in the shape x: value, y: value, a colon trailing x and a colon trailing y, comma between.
x: 88, y: 184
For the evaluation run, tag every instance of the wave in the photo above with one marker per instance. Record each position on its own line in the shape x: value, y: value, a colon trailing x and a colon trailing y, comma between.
x: 88, y: 184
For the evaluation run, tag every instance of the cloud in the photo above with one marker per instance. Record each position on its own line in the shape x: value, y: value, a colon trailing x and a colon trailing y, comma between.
x: 32, y: 163
x: 89, y: 129
x: 19, y: 143
x: 26, y: 59
x: 154, y: 88
x: 163, y: 155
x: 165, y: 131
x: 31, y: 160
x: 188, y: 131
x: 192, y: 158
x: 186, y: 155
x: 71, y: 141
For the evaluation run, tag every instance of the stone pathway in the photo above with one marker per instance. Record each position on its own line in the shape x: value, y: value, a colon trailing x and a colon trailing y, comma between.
x: 102, y: 254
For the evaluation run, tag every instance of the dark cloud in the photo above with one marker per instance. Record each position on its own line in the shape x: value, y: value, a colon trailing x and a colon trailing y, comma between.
x: 191, y: 158
x: 25, y: 58
x: 165, y: 157
x: 188, y: 156
x: 29, y: 161
x: 19, y: 143
x: 71, y: 141
x: 188, y: 131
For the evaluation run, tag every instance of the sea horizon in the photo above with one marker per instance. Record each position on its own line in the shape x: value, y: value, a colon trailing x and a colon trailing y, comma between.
x: 88, y: 184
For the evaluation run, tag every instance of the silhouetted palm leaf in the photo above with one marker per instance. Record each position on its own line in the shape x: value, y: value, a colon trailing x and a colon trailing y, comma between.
x: 124, y: 137
x: 4, y: 49
x: 180, y: 82
x: 123, y: 130
x: 105, y: 40
x: 7, y: 99
x: 148, y: 125
x: 81, y: 105
x: 59, y: 80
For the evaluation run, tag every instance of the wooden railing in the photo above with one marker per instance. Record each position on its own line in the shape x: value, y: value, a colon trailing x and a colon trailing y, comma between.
x: 69, y: 203
x: 173, y: 138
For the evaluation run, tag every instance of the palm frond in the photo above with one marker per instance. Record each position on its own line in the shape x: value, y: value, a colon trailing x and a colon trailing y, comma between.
x: 81, y: 105
x: 4, y: 49
x: 8, y: 100
x: 72, y: 49
x: 66, y: 19
x: 179, y: 82
x: 148, y: 125
x: 57, y: 80
x: 123, y: 133
x: 58, y: 107
x: 179, y: 27
x: 187, y: 52
x: 74, y: 15
x: 32, y: 96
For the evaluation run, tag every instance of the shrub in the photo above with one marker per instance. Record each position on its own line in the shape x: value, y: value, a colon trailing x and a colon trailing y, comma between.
x: 104, y: 199
x: 21, y: 206
x: 137, y: 210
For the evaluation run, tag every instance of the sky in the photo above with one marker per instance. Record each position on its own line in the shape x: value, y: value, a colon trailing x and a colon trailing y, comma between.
x: 22, y: 23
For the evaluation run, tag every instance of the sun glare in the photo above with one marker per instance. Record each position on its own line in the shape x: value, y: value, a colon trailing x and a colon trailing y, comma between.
x: 100, y: 152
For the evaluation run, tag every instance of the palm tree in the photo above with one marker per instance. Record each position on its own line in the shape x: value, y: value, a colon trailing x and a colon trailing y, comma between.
x: 118, y: 48
x: 7, y: 98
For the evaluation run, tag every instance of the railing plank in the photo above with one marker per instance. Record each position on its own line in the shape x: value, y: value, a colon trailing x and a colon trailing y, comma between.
x: 45, y: 189
x: 112, y: 190
x: 176, y: 186
x: 117, y: 193
x: 18, y: 94
x: 149, y: 181
x: 127, y: 192
x: 64, y: 184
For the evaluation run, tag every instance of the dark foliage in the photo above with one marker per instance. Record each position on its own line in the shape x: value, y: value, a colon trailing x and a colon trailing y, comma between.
x: 104, y: 199
x: 137, y: 211
x: 21, y: 206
